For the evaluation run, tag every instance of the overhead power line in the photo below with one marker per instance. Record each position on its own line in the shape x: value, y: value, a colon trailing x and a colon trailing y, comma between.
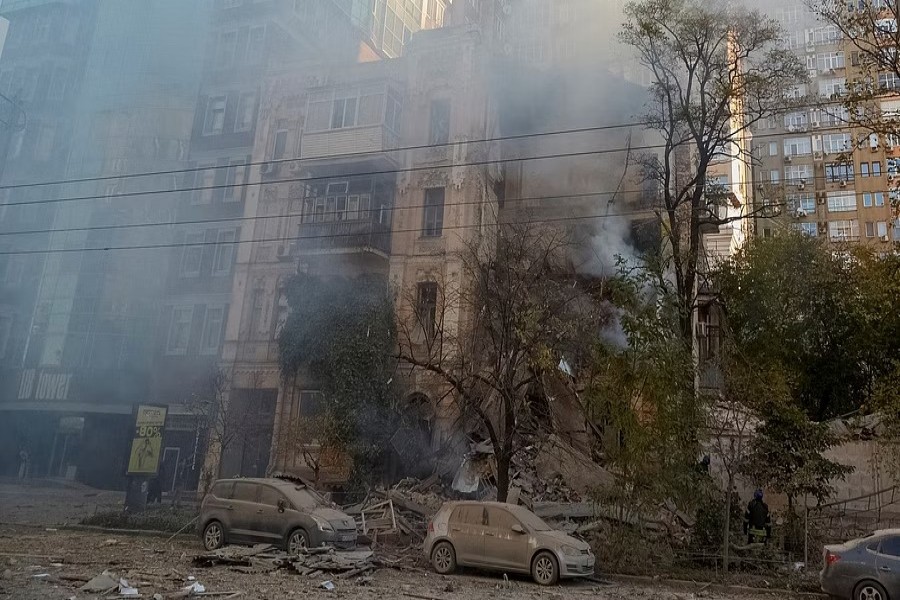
x: 300, y: 214
x: 297, y: 238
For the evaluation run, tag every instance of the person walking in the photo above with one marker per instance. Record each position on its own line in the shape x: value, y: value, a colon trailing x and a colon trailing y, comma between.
x: 757, y: 521
x: 23, y: 463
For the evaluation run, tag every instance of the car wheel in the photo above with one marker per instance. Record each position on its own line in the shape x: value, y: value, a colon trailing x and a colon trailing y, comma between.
x: 298, y: 541
x: 544, y: 569
x: 443, y: 558
x: 870, y: 590
x: 213, y: 536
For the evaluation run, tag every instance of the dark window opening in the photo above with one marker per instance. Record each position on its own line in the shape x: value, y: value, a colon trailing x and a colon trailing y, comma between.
x: 433, y: 216
x: 427, y: 306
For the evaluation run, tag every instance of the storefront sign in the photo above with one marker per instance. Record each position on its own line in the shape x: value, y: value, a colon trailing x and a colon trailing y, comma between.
x: 146, y: 446
x: 44, y: 385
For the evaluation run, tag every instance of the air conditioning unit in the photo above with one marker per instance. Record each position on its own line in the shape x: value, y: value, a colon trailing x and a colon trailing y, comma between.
x: 791, y: 128
x: 884, y: 238
x: 821, y: 199
x: 813, y: 123
x: 801, y: 186
x: 283, y: 251
x: 843, y: 183
x: 818, y: 156
x: 787, y: 158
x: 800, y: 213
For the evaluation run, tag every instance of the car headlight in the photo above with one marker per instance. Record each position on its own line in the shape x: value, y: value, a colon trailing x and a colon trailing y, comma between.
x: 570, y: 551
x: 323, y: 524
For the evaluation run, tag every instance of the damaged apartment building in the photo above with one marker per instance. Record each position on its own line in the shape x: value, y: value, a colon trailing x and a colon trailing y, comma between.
x: 388, y: 168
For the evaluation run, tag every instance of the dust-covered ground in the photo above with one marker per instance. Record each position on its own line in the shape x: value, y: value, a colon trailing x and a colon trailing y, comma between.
x: 41, y: 564
x: 41, y: 560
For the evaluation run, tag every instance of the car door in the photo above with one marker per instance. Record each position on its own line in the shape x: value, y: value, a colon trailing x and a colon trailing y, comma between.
x: 503, y: 547
x: 468, y: 523
x: 887, y: 564
x: 244, y: 519
x: 273, y: 521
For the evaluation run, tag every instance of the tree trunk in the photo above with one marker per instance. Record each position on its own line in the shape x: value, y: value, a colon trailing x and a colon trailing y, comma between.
x: 503, y: 463
x: 726, y: 534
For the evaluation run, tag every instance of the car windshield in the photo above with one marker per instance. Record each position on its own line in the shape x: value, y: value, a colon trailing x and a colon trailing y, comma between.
x: 304, y: 497
x: 532, y: 521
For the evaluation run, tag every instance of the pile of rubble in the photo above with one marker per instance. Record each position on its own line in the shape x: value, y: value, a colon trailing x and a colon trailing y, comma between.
x: 311, y: 563
x: 404, y: 510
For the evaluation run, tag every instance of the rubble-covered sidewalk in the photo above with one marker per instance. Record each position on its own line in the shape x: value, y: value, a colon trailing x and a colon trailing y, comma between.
x: 37, y: 564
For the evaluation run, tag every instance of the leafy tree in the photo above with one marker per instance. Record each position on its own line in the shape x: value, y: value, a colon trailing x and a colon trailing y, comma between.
x: 793, y: 305
x: 643, y: 393
x: 341, y: 334
x: 787, y: 453
x: 484, y: 335
x: 717, y: 70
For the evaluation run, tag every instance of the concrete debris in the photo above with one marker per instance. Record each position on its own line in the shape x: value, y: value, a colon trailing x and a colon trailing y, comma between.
x: 327, y: 585
x: 102, y: 583
x: 310, y: 563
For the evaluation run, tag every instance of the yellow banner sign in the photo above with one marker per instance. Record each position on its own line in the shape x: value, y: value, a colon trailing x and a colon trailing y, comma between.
x: 146, y: 446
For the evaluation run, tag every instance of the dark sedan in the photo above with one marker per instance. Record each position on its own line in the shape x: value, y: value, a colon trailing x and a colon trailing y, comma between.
x: 863, y: 569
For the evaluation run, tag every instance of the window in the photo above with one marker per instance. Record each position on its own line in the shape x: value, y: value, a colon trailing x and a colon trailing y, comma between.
x: 439, y: 132
x: 343, y: 112
x: 244, y: 491
x: 867, y: 199
x: 863, y: 169
x: 835, y: 143
x: 888, y: 81
x: 501, y: 519
x: 205, y: 182
x: 795, y: 120
x: 797, y: 174
x: 269, y: 496
x: 470, y: 514
x: 180, y: 329
x: 870, y: 229
x: 235, y: 177
x: 279, y: 147
x: 830, y: 60
x: 797, y: 146
x: 823, y: 35
x: 809, y: 229
x: 881, y: 226
x: 212, y: 330
x: 226, y: 49
x: 427, y: 306
x: 224, y: 252
x: 842, y: 202
x: 886, y: 27
x: 214, y: 123
x: 192, y: 255
x: 774, y: 176
x: 837, y: 172
x: 879, y: 198
x: 223, y: 489
x: 310, y: 403
x: 836, y: 86
x: 246, y: 111
x: 843, y: 231
x: 773, y: 148
x: 876, y: 168
x: 834, y: 115
x: 433, y: 215
x: 890, y: 546
x: 805, y: 202
x: 256, y: 45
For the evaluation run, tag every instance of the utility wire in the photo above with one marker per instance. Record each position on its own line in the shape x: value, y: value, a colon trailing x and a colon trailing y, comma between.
x: 330, y: 156
x: 300, y: 214
x: 298, y: 238
x: 389, y: 150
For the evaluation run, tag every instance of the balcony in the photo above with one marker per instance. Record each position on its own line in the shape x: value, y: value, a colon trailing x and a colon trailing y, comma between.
x: 333, y: 143
x: 342, y: 237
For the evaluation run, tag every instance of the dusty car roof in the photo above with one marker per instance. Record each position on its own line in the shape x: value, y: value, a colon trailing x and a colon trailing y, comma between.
x: 504, y: 505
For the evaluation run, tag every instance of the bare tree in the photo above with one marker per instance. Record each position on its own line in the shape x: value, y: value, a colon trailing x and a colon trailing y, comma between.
x: 484, y: 336
x: 717, y: 70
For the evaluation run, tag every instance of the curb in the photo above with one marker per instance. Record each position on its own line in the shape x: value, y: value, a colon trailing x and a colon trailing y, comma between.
x: 132, y: 532
x: 696, y: 586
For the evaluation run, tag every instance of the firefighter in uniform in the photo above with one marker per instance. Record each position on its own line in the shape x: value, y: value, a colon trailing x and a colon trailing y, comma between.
x: 757, y: 523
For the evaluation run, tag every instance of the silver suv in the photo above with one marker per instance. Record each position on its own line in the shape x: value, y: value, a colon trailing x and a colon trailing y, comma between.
x: 272, y: 511
x: 504, y: 537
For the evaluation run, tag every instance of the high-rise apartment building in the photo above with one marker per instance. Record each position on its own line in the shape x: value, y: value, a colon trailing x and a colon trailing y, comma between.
x: 828, y: 179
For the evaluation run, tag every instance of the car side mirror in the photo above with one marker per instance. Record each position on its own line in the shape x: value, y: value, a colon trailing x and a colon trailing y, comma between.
x: 282, y: 506
x: 518, y: 528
